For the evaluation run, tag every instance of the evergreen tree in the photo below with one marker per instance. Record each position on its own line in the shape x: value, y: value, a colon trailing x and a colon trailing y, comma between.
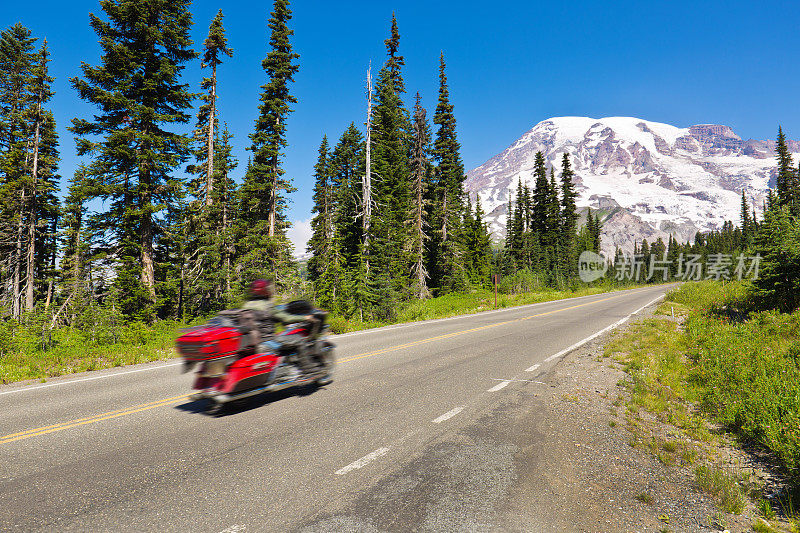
x: 347, y: 280
x: 420, y: 171
x: 747, y: 223
x: 569, y: 218
x: 262, y: 243
x: 136, y: 88
x: 478, y: 247
x: 449, y: 179
x: 778, y: 244
x: 553, y: 227
x: 16, y: 64
x: 787, y: 186
x: 319, y: 245
x: 40, y: 182
x: 395, y: 62
x: 541, y: 196
x: 74, y: 244
x: 391, y: 247
x: 216, y: 45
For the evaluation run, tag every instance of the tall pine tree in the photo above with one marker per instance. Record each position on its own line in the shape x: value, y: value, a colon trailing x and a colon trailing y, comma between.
x: 137, y: 92
x: 420, y: 175
x: 449, y: 179
x: 262, y: 243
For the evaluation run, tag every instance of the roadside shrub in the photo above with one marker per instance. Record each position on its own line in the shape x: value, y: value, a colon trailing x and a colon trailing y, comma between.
x: 750, y: 377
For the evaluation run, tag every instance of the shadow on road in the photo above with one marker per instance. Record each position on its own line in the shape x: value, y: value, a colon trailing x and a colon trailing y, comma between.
x: 204, y: 407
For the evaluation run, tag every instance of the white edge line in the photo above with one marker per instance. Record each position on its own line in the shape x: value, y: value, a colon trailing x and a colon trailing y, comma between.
x: 479, y: 313
x: 499, y: 386
x: 363, y: 461
x: 448, y: 415
x: 604, y: 330
x: 91, y: 378
x: 533, y: 368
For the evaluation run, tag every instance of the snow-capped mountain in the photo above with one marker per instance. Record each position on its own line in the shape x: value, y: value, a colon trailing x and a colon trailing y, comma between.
x: 648, y: 179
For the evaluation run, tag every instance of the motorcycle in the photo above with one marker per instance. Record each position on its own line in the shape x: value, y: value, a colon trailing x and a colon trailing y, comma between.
x: 229, y: 368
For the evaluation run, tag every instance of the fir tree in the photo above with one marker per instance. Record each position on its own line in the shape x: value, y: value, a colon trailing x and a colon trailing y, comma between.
x: 420, y: 171
x: 569, y: 218
x: 262, y: 242
x: 16, y: 63
x: 392, y: 192
x: 786, y: 181
x: 347, y: 281
x: 478, y: 246
x: 319, y: 245
x: 395, y: 62
x: 215, y: 46
x: 778, y: 244
x: 136, y: 88
x: 449, y: 179
x: 747, y: 229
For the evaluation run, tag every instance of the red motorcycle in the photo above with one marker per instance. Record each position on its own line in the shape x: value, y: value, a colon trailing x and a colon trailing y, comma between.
x: 230, y: 369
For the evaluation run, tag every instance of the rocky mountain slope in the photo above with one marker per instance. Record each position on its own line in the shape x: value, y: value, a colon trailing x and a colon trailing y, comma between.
x: 648, y: 179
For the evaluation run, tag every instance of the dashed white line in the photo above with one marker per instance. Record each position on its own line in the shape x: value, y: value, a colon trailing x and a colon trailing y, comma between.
x: 448, y: 415
x: 500, y: 385
x: 363, y: 461
x: 532, y: 368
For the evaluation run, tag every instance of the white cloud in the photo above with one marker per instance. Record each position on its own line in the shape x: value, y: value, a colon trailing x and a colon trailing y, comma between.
x: 299, y: 234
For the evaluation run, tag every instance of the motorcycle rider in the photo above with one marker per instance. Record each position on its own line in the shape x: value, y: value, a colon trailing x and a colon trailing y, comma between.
x: 266, y: 315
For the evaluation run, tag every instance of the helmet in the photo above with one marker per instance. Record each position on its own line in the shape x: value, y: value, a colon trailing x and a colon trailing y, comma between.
x: 261, y: 288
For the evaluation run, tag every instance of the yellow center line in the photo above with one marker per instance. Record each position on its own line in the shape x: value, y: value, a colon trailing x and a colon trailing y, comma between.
x: 89, y: 420
x: 166, y: 401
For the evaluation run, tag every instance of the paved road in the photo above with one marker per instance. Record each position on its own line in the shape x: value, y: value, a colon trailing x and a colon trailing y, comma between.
x: 125, y: 450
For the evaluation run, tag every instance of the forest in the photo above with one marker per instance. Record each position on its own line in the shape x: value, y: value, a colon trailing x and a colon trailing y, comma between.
x: 162, y: 226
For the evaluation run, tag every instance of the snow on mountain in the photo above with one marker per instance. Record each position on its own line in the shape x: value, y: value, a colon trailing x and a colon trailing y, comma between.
x: 648, y: 179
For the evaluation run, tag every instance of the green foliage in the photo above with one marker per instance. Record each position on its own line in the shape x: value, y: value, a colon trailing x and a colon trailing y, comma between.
x: 265, y: 250
x: 100, y: 339
x: 744, y: 368
x: 778, y: 243
x: 138, y: 95
x: 723, y: 486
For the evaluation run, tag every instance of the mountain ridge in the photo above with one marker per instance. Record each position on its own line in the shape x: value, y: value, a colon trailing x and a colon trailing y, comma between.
x: 651, y: 179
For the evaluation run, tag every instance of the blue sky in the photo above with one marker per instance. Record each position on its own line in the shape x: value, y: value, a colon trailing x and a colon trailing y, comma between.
x: 510, y: 65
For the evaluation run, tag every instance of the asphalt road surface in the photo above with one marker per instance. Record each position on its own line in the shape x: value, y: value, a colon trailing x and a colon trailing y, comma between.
x: 125, y: 450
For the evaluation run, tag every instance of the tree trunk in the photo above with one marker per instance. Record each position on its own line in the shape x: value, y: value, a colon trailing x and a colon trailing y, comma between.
x: 444, y: 217
x: 29, y: 286
x: 148, y: 270
x: 366, y: 185
x: 146, y: 233
x: 15, y: 282
x: 210, y: 142
x: 272, y: 195
x: 226, y: 245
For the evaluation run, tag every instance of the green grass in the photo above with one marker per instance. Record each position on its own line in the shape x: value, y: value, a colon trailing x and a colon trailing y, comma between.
x: 723, y: 486
x: 22, y: 356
